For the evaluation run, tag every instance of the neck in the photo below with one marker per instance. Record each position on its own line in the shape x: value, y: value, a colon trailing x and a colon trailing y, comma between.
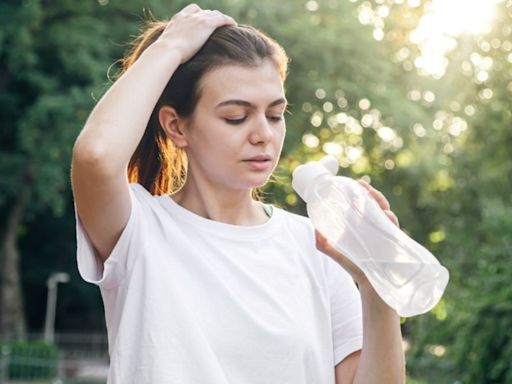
x: 230, y: 206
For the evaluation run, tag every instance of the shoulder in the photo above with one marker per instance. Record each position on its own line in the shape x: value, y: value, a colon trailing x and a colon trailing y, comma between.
x: 148, y: 204
x: 296, y: 219
x: 142, y: 194
x: 299, y: 226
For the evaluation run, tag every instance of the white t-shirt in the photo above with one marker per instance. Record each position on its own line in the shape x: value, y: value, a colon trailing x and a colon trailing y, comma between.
x: 194, y: 301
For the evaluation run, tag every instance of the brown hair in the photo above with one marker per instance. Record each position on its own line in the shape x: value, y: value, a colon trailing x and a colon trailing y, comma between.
x: 157, y: 164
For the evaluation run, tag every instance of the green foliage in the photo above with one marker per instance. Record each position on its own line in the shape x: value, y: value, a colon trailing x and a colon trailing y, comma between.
x: 52, y: 67
x: 32, y: 360
x: 467, y: 339
x: 450, y: 189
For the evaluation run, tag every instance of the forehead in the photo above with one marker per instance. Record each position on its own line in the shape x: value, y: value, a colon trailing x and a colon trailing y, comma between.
x: 260, y: 83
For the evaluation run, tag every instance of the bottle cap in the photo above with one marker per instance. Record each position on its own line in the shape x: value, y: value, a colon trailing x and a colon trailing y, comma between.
x: 305, y: 174
x: 331, y: 163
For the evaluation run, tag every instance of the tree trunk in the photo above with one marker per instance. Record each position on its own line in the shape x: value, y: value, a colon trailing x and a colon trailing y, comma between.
x: 12, y: 314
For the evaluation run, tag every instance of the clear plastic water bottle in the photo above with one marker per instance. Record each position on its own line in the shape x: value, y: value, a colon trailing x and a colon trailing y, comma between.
x: 405, y: 274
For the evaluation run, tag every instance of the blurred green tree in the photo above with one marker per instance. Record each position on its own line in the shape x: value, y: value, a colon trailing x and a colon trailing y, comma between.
x: 51, y: 62
x: 467, y: 337
x: 437, y: 145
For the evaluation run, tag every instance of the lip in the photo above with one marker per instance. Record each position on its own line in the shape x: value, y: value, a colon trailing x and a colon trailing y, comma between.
x: 259, y: 162
x: 260, y: 158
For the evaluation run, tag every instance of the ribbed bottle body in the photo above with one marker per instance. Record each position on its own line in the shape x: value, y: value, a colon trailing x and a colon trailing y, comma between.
x: 405, y: 274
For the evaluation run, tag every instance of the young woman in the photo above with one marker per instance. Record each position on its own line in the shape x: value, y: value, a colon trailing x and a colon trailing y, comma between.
x: 201, y: 282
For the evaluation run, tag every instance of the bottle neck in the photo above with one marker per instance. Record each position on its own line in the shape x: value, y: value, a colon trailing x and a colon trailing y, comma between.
x: 315, y: 182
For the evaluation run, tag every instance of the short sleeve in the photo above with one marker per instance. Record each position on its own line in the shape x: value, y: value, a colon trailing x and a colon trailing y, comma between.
x: 129, y: 243
x: 346, y: 311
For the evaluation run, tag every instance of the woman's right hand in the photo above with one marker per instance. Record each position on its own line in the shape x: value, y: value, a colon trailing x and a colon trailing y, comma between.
x: 188, y: 30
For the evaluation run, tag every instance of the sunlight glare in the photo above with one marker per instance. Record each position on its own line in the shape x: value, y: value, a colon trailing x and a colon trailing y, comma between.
x: 442, y: 22
x: 464, y: 16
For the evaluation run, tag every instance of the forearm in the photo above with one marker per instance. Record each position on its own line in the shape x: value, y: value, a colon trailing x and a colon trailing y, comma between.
x: 382, y: 357
x: 117, y: 123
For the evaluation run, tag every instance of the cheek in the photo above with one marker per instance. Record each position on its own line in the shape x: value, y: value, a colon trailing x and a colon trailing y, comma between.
x: 203, y: 136
x: 216, y: 148
x: 280, y: 135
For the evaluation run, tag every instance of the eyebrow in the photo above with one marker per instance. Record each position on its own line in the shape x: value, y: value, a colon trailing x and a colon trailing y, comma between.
x: 245, y: 103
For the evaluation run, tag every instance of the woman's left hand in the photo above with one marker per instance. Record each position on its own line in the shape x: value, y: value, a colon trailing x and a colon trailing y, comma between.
x: 323, y: 245
x: 381, y: 199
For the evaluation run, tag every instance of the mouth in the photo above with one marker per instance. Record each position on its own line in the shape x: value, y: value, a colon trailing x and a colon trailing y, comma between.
x: 259, y: 158
x: 259, y: 163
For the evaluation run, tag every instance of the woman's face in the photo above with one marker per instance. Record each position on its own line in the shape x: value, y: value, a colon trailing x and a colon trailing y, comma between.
x: 236, y: 133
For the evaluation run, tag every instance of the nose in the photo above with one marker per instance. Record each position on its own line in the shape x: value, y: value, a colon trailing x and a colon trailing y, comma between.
x: 261, y: 131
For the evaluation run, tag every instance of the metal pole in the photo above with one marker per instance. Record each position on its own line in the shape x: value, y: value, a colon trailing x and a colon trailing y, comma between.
x: 4, y: 363
x: 51, y: 304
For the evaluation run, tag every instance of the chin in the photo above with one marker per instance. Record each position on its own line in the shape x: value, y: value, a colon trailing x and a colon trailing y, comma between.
x: 256, y: 181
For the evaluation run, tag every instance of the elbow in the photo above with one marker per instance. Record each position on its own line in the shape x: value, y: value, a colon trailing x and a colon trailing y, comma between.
x: 87, y: 152
x: 94, y: 158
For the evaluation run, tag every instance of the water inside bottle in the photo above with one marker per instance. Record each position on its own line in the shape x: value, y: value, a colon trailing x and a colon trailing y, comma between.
x: 418, y: 287
x: 350, y: 225
x: 399, y: 273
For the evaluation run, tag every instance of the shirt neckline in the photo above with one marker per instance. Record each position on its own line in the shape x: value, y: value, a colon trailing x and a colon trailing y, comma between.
x: 218, y: 228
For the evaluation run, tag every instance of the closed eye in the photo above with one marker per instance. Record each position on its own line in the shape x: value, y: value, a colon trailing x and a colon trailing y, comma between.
x: 274, y: 119
x: 235, y: 121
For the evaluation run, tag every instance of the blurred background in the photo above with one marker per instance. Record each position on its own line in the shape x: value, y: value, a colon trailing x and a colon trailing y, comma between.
x: 413, y: 95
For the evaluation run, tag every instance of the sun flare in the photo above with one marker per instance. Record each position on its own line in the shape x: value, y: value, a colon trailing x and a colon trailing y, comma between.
x: 442, y: 22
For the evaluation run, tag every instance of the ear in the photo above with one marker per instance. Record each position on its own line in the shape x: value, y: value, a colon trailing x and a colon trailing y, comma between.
x: 173, y: 125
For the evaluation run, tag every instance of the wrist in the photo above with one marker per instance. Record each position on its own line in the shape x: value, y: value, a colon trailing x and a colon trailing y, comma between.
x: 369, y: 296
x: 166, y: 50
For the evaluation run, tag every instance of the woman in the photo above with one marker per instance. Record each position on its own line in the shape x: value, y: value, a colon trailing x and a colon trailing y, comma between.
x: 201, y: 282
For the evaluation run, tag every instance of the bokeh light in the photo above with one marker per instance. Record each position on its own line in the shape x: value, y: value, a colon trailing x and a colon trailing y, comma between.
x: 444, y: 20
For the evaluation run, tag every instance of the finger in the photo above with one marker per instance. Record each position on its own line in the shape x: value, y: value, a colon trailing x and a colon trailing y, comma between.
x: 323, y: 246
x: 321, y: 241
x: 364, y: 183
x: 381, y: 199
x: 229, y: 20
x: 376, y: 194
x: 220, y: 18
x: 391, y: 215
x: 191, y: 8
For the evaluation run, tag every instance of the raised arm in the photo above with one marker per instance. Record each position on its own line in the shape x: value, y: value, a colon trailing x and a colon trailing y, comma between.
x: 116, y: 125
